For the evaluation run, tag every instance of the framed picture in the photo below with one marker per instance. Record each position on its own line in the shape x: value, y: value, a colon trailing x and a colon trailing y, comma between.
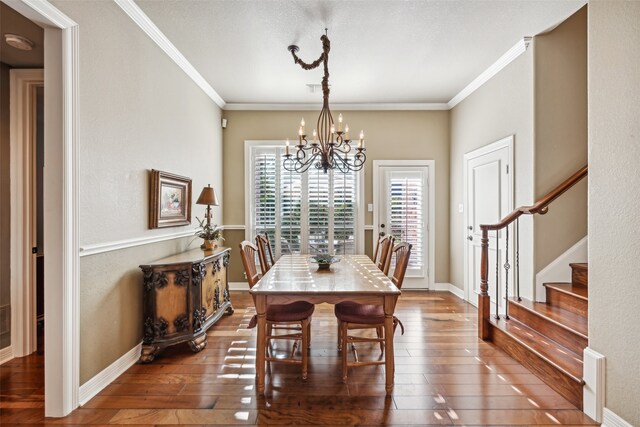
x: 170, y: 200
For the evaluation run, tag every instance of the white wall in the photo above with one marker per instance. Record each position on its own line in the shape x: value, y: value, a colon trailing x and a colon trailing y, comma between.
x: 614, y: 199
x: 501, y: 107
x: 137, y: 111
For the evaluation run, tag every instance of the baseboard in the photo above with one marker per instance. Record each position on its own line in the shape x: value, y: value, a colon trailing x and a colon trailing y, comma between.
x: 6, y: 354
x: 594, y: 384
x: 92, y: 387
x: 558, y: 270
x: 238, y: 286
x: 450, y: 288
x: 611, y: 419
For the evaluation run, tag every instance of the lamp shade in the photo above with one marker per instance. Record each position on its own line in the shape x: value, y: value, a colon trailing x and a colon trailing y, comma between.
x: 208, y: 197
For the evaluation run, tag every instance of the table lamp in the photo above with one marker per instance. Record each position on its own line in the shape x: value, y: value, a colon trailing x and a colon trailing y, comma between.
x: 208, y: 197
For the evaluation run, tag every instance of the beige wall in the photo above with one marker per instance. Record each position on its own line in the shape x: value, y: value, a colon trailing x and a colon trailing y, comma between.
x: 138, y: 111
x: 391, y: 135
x: 503, y: 106
x: 5, y: 219
x: 560, y: 111
x: 614, y: 200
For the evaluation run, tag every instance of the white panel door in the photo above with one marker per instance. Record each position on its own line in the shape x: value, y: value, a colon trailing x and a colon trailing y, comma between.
x: 488, y: 200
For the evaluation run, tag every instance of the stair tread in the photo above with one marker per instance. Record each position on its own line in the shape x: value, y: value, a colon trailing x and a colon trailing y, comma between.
x: 579, y: 265
x: 576, y: 290
x: 559, y: 356
x: 569, y: 320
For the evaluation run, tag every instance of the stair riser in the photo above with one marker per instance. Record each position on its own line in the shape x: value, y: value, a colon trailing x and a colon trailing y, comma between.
x: 566, y: 301
x: 554, y: 378
x: 579, y: 276
x: 562, y: 336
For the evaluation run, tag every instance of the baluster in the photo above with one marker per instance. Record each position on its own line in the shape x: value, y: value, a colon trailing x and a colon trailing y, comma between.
x: 518, y: 258
x: 497, y: 274
x: 483, y: 299
x: 507, y: 266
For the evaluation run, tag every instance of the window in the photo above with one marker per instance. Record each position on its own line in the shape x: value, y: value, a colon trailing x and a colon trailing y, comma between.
x: 302, y: 213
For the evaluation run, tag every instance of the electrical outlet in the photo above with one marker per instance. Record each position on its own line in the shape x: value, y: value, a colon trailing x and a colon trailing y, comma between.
x: 370, y: 207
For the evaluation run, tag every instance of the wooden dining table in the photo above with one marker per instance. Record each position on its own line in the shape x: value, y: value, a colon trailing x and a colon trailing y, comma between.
x: 297, y: 278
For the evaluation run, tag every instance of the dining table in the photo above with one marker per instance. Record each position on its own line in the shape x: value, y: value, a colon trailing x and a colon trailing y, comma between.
x: 298, y: 278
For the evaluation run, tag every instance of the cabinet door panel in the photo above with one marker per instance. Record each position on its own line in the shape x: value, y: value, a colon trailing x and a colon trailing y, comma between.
x: 172, y: 302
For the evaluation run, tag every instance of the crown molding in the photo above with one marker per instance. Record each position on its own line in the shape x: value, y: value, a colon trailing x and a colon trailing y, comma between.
x: 506, y: 59
x: 335, y: 107
x: 144, y: 22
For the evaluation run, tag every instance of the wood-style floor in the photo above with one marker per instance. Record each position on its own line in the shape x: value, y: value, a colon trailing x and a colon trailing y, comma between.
x: 444, y: 375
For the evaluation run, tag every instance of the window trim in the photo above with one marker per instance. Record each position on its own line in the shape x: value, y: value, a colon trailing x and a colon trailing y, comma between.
x: 249, y: 208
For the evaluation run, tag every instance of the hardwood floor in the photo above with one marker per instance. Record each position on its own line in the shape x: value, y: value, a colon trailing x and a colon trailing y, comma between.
x: 444, y: 376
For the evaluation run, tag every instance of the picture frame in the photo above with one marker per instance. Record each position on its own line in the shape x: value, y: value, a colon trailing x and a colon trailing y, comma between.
x: 169, y: 200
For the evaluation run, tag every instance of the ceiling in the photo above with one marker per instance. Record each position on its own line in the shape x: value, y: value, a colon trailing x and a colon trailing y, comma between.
x: 391, y: 51
x: 11, y: 22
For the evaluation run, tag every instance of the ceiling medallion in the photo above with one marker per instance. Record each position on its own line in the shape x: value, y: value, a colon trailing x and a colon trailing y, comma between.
x: 330, y: 147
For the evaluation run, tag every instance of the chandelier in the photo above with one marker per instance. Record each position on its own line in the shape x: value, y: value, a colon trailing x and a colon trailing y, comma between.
x: 330, y: 147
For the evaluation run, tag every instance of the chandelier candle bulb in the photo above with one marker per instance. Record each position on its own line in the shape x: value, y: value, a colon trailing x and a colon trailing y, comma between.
x: 302, y: 126
x: 333, y: 129
x: 340, y: 122
x: 346, y: 132
x: 287, y: 148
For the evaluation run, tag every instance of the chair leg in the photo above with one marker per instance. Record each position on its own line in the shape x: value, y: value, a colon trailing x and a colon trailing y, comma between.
x: 339, y: 335
x: 305, y: 347
x: 345, y: 344
x: 379, y: 332
x: 309, y: 333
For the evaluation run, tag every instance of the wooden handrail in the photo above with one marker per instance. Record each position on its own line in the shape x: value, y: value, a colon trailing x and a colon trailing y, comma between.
x: 540, y: 207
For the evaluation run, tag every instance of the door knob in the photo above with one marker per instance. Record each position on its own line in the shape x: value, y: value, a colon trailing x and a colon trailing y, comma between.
x: 470, y: 227
x: 469, y: 237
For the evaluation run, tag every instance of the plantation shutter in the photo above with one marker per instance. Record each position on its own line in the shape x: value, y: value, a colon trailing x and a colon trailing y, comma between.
x: 264, y: 192
x: 344, y: 212
x: 318, y: 203
x: 312, y: 212
x: 290, y: 238
x: 405, y: 215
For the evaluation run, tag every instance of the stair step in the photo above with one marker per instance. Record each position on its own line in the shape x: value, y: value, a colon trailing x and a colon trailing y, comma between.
x: 563, y: 326
x: 570, y: 297
x: 580, y: 273
x: 560, y: 368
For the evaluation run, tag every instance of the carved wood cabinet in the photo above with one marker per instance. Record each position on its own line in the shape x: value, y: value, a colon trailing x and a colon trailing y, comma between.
x: 184, y: 295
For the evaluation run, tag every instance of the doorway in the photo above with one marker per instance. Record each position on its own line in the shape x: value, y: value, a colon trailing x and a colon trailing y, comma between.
x: 27, y: 254
x: 404, y: 200
x: 488, y: 197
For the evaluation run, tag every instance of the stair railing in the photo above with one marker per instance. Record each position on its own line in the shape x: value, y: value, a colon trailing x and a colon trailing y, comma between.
x: 540, y: 207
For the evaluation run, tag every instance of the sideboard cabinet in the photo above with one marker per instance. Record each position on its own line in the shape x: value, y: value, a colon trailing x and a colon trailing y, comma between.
x: 184, y: 295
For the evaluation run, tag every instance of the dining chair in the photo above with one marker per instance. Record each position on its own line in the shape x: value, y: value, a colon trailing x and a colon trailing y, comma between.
x: 352, y: 316
x: 294, y: 316
x: 264, y: 250
x: 385, y: 243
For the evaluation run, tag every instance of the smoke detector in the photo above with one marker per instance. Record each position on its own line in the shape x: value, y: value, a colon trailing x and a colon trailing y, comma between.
x: 18, y: 42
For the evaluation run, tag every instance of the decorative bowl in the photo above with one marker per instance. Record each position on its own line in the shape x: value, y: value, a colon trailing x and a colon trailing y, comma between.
x: 324, y: 261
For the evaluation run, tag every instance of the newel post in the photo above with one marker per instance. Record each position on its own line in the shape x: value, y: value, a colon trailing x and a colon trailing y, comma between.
x: 483, y: 298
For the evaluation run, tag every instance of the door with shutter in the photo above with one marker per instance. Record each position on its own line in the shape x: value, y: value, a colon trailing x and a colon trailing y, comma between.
x: 404, y: 209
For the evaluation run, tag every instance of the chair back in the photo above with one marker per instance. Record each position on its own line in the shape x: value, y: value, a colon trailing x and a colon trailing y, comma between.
x: 264, y: 250
x: 403, y: 252
x: 248, y: 255
x: 386, y: 247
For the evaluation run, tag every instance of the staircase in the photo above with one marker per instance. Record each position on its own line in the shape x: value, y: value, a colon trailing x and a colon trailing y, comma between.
x: 549, y: 338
